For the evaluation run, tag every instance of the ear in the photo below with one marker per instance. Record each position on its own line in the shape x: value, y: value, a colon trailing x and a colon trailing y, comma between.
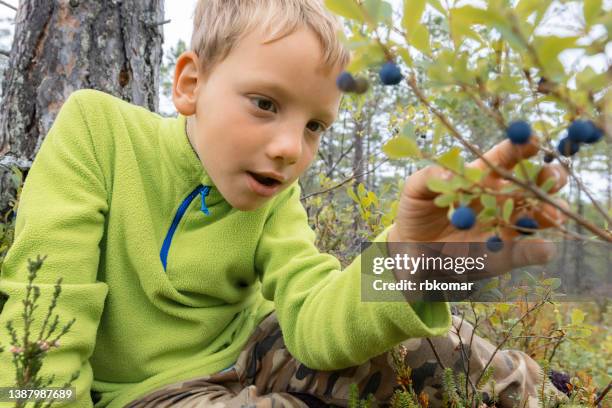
x: 185, y: 83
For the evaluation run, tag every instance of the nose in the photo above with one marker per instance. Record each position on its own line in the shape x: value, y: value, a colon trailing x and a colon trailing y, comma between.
x: 286, y: 145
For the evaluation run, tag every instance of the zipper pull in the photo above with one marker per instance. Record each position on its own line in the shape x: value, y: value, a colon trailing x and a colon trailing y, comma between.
x: 203, y: 193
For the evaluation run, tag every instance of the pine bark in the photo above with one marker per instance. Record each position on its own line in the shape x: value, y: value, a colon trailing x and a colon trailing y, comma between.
x: 61, y: 46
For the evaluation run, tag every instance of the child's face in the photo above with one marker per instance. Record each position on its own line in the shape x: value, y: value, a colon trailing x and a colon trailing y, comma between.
x: 260, y: 112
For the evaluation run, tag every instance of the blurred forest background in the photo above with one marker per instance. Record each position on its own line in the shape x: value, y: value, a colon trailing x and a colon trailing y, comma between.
x: 351, y: 190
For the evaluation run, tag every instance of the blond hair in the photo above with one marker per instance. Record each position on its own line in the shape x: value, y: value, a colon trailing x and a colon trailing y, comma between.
x: 218, y: 25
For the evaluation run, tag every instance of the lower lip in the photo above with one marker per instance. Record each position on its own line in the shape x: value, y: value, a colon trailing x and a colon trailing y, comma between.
x: 261, y: 189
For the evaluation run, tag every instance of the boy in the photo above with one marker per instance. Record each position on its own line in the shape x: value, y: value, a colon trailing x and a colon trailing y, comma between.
x: 177, y: 238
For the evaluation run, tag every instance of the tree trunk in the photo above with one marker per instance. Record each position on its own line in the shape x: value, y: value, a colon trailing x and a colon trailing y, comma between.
x: 60, y: 46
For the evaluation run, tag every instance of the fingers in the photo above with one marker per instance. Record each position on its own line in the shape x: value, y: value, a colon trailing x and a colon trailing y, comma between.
x: 506, y: 155
x: 555, y: 171
x: 548, y: 215
x: 416, y: 184
x: 532, y: 252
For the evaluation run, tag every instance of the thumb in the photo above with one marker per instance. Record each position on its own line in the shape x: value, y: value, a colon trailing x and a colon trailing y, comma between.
x: 532, y: 252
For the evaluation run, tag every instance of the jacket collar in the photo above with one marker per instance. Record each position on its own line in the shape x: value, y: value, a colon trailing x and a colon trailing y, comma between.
x: 182, y: 160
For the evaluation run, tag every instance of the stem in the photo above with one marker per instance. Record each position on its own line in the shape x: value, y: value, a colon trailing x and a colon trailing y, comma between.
x: 507, y: 336
x: 354, y: 176
x: 603, y: 393
x: 8, y: 5
x: 606, y: 235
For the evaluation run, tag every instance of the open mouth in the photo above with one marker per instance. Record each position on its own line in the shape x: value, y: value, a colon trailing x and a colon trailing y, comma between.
x: 266, y: 181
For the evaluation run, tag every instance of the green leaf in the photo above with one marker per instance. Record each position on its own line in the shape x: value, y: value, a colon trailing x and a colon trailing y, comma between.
x: 488, y: 201
x: 364, y: 56
x: 408, y: 130
x: 438, y: 6
x: 378, y: 10
x: 361, y: 189
x: 548, y: 50
x: 452, y: 160
x: 400, y: 147
x: 526, y: 170
x: 507, y: 211
x: 554, y: 283
x: 346, y: 8
x: 351, y: 193
x: 577, y: 316
x: 591, y: 9
x: 439, y: 186
x: 444, y: 200
x: 525, y: 8
x: 413, y: 10
x: 548, y: 184
x: 420, y: 39
x: 473, y: 174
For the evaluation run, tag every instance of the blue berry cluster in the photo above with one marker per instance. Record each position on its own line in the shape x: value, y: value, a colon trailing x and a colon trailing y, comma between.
x: 347, y: 83
x: 389, y: 74
x: 579, y: 131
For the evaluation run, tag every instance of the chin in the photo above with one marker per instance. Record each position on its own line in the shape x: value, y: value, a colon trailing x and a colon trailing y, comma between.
x: 245, y: 205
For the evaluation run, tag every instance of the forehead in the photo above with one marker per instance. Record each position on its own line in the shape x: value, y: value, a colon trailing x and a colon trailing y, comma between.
x: 291, y: 65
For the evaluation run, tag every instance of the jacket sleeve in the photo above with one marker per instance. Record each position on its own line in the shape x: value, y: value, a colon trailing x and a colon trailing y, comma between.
x: 60, y: 215
x: 325, y: 323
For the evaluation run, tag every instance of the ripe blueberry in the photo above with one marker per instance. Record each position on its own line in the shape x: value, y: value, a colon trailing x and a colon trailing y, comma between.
x: 548, y: 158
x: 463, y: 218
x: 518, y: 132
x: 580, y: 130
x: 526, y: 225
x: 495, y: 243
x: 567, y: 147
x: 595, y: 136
x: 345, y: 82
x: 390, y: 74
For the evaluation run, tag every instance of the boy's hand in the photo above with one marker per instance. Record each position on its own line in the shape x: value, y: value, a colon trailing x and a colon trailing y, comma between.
x: 420, y: 220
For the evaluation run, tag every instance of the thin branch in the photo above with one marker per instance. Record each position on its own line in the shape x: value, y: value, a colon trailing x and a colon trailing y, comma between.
x: 354, y: 176
x: 505, y: 339
x: 539, y: 193
x: 435, y: 353
x: 603, y: 393
x: 5, y: 53
x: 8, y: 5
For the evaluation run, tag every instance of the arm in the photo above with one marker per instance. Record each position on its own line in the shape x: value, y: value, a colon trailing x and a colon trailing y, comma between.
x: 61, y: 215
x: 324, y: 322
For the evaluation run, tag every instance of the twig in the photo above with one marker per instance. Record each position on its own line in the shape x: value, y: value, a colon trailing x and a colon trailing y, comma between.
x: 354, y: 176
x: 5, y: 53
x: 158, y: 23
x: 606, y: 235
x: 433, y: 348
x: 505, y: 339
x: 8, y: 5
x: 603, y: 393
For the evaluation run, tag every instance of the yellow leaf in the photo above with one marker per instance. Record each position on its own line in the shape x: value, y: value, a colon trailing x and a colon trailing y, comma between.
x: 346, y: 8
x: 420, y: 39
x: 413, y: 10
x: 400, y: 147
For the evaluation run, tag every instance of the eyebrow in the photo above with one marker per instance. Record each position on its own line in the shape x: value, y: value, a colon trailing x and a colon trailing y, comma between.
x: 328, y: 116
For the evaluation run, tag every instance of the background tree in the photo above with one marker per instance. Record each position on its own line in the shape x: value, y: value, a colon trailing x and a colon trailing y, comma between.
x: 62, y: 46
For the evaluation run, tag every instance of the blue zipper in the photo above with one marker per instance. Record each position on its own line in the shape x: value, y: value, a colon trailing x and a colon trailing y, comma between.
x: 203, y: 191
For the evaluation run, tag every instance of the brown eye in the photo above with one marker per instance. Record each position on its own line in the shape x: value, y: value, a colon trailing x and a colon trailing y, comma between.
x: 263, y: 104
x: 317, y: 127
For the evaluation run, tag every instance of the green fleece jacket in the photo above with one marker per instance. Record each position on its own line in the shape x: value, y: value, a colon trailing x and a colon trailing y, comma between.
x: 165, y: 279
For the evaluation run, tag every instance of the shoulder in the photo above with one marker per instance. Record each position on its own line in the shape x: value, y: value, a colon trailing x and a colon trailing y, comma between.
x: 95, y: 103
x: 111, y: 119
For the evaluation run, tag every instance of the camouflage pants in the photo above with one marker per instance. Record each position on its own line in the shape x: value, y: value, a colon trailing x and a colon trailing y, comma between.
x: 266, y: 375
